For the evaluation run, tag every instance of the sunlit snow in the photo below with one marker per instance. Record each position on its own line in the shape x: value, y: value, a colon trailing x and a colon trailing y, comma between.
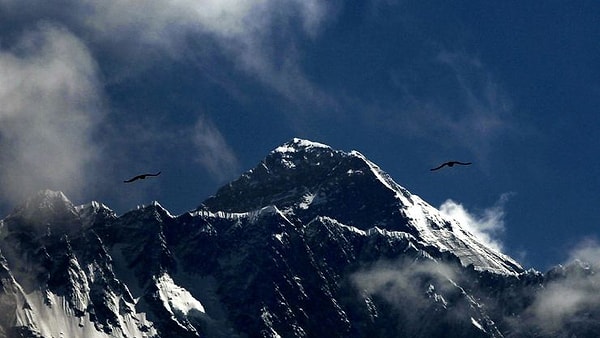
x: 477, y: 325
x: 447, y: 235
x: 52, y: 316
x: 175, y: 298
x: 291, y: 147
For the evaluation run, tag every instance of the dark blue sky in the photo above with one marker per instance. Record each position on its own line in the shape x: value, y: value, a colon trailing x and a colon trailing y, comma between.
x: 95, y: 92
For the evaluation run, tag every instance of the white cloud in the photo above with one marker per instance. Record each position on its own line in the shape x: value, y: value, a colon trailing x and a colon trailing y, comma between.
x: 213, y: 151
x: 587, y: 251
x: 410, y: 287
x: 51, y: 105
x: 487, y: 225
x: 258, y: 36
x: 402, y: 282
x: 572, y: 294
x: 153, y: 19
x: 415, y: 289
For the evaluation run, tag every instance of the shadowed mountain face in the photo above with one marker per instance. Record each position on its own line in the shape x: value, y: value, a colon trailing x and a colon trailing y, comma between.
x: 313, y: 242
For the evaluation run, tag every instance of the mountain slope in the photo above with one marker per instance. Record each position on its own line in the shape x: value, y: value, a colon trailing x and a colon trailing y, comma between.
x: 313, y: 242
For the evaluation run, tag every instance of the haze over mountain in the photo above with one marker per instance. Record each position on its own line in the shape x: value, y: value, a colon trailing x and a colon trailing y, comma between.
x: 312, y: 242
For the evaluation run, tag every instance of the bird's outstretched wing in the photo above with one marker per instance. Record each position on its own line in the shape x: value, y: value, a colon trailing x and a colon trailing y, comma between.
x: 440, y: 167
x: 135, y: 178
x: 140, y: 177
x: 450, y: 164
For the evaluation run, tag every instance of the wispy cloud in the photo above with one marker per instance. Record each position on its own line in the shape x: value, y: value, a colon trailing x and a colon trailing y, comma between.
x: 487, y: 225
x: 258, y: 36
x: 262, y: 41
x: 225, y: 18
x: 411, y: 288
x: 461, y: 106
x: 51, y: 106
x: 487, y: 109
x: 401, y: 283
x: 416, y: 289
x: 213, y: 152
x: 587, y: 251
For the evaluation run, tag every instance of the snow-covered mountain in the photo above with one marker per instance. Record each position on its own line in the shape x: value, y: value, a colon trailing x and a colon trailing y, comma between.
x: 306, y: 180
x: 312, y: 242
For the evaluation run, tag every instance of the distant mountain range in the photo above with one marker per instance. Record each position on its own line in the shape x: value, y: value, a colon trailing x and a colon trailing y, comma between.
x: 312, y: 242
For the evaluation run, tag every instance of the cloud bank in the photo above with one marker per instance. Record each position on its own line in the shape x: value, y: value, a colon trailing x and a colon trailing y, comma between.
x: 51, y: 106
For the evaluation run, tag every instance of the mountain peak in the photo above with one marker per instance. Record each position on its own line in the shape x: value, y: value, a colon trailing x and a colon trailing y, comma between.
x: 45, y: 203
x: 303, y: 173
x: 48, y: 198
x: 306, y: 179
x: 297, y: 144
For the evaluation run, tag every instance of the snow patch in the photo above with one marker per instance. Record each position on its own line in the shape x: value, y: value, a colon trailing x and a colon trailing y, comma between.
x: 51, y: 316
x: 288, y: 164
x: 177, y: 299
x: 93, y: 205
x: 435, y: 296
x: 251, y: 216
x: 352, y: 172
x: 280, y: 237
x: 157, y: 205
x: 297, y: 143
x: 369, y: 232
x: 307, y: 200
x: 477, y: 325
x: 267, y: 319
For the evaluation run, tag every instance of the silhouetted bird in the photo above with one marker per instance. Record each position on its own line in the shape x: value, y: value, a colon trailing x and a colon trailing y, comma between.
x: 450, y: 164
x: 140, y: 177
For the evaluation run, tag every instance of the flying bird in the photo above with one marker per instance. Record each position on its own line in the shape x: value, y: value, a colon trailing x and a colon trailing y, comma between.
x: 450, y: 164
x: 141, y: 177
